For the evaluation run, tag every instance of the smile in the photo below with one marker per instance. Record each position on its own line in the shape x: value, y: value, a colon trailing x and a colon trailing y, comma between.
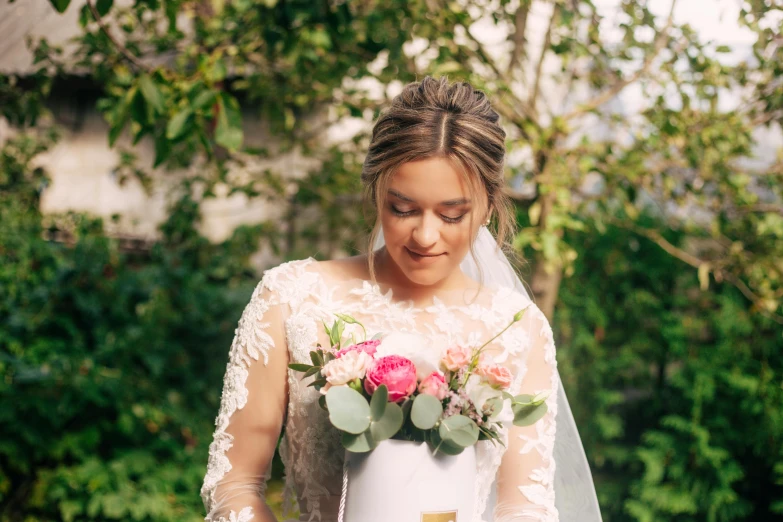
x: 417, y: 256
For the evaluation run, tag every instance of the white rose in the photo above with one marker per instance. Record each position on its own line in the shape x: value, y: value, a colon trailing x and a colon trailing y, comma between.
x: 424, y: 354
x: 480, y: 392
x: 352, y: 365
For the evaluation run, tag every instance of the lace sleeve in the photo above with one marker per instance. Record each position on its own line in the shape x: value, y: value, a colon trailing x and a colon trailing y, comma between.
x: 526, y: 474
x: 251, y: 415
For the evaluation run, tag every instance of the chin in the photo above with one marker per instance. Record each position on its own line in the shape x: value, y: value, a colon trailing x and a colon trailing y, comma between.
x: 423, y: 275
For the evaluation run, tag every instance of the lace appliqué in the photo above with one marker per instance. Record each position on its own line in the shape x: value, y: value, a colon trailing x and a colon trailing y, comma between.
x: 541, y: 492
x: 251, y: 343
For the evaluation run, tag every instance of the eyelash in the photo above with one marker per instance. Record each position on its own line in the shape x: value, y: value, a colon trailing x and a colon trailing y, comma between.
x: 449, y: 220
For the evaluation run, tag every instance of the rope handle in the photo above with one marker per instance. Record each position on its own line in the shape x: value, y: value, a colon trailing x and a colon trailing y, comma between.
x: 343, y: 495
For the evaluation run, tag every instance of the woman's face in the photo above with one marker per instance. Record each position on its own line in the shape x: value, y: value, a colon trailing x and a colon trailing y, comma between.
x: 426, y: 220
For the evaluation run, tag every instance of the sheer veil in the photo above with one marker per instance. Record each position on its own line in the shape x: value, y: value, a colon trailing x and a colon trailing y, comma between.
x: 575, y: 496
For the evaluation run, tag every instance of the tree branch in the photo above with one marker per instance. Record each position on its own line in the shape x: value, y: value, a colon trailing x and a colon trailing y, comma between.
x: 542, y: 55
x: 121, y: 48
x: 520, y: 26
x: 762, y: 208
x: 481, y: 54
x: 614, y: 90
x: 690, y: 259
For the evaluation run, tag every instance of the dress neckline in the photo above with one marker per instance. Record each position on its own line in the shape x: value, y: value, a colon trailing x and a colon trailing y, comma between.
x: 386, y: 293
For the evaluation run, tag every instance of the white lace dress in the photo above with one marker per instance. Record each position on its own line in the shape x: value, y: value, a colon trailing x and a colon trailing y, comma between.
x: 284, y: 320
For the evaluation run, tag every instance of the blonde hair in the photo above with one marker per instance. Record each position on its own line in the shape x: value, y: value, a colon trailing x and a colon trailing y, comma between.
x: 435, y: 118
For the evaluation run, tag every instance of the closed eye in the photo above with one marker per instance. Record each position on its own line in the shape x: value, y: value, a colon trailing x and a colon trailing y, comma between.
x: 447, y: 219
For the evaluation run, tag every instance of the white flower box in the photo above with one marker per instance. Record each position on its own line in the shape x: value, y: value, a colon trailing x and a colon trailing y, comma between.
x: 401, y: 481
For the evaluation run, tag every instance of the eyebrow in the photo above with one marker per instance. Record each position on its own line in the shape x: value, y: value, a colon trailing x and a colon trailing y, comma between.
x: 447, y: 203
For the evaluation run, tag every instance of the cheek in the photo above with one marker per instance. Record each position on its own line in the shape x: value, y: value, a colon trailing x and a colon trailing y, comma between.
x: 395, y: 231
x: 457, y: 236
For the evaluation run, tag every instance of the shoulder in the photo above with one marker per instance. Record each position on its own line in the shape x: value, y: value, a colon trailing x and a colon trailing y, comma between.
x: 288, y: 280
x: 533, y: 322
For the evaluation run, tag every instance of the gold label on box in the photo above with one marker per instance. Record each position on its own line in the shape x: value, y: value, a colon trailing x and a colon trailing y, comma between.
x: 443, y: 516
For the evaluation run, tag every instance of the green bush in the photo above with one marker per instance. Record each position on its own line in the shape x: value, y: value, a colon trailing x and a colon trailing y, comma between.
x: 677, y: 391
x: 111, y: 363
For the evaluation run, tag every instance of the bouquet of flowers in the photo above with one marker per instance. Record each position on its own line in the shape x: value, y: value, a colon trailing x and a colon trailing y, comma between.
x: 398, y: 386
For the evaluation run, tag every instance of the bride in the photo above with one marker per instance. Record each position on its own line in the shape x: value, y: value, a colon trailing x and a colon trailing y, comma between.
x: 434, y: 179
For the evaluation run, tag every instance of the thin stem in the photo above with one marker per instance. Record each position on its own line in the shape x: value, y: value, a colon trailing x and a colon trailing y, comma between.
x: 121, y: 48
x: 474, y: 359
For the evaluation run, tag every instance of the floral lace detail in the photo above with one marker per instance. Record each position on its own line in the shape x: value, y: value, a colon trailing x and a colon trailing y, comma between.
x: 310, y: 448
x: 251, y: 342
x: 541, y: 492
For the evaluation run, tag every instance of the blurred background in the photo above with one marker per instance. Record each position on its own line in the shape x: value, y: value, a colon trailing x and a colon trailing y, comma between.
x: 157, y: 155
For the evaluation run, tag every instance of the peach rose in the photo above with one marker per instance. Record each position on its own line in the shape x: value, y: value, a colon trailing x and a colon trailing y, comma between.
x: 434, y: 384
x: 496, y: 375
x: 456, y: 357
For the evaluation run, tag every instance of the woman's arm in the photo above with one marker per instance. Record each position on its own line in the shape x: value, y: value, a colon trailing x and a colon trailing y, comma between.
x: 526, y: 474
x: 252, y: 410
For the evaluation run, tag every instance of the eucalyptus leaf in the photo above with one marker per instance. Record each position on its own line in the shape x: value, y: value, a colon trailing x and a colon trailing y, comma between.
x: 459, y: 431
x: 439, y: 445
x: 426, y: 411
x: 389, y: 424
x: 527, y: 414
x: 496, y: 405
x: 348, y: 410
x: 297, y: 367
x: 378, y: 402
x: 358, y: 443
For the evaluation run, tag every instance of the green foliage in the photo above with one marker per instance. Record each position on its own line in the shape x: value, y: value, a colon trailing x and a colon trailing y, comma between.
x: 108, y: 374
x: 348, y: 410
x: 426, y: 411
x: 676, y: 389
x: 528, y: 409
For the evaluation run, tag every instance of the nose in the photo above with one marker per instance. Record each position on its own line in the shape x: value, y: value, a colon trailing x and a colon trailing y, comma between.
x: 426, y: 232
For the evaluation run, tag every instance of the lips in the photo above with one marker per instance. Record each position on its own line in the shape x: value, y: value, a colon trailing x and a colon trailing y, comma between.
x: 421, y: 254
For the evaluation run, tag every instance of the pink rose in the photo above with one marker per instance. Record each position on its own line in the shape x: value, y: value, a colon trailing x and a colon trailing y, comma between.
x: 434, y: 384
x: 497, y: 376
x: 397, y: 373
x: 456, y: 357
x: 369, y: 347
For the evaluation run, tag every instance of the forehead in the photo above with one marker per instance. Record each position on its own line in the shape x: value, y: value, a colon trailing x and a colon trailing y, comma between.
x: 430, y: 180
